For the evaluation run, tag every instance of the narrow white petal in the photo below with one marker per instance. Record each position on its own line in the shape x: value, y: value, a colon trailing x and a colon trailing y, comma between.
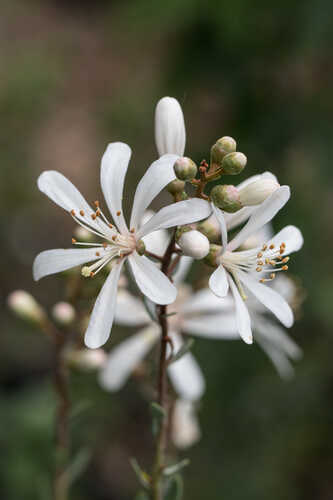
x: 218, y: 282
x: 276, y: 336
x: 220, y: 217
x: 113, y: 171
x: 214, y: 326
x: 125, y: 357
x: 291, y: 236
x: 61, y: 259
x: 182, y: 269
x: 279, y: 359
x: 170, y: 133
x: 185, y: 373
x: 263, y: 214
x: 253, y: 178
x: 185, y: 429
x: 158, y: 175
x: 130, y: 310
x: 151, y: 281
x: 269, y: 298
x: 157, y: 241
x: 177, y: 214
x: 101, y: 318
x: 243, y: 319
x: 206, y: 301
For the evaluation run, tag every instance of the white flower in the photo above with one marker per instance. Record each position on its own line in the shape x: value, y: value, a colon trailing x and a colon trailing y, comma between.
x: 185, y: 429
x: 236, y: 268
x: 120, y: 243
x: 170, y: 133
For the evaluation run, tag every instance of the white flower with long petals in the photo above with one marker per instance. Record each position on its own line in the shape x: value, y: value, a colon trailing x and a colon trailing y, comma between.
x: 170, y: 135
x: 237, y: 268
x: 119, y: 243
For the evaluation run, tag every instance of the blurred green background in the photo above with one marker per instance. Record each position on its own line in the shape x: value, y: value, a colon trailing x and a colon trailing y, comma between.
x: 76, y: 75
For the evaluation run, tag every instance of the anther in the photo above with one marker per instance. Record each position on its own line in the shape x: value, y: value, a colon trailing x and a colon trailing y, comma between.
x: 282, y: 250
x: 97, y: 254
x: 285, y: 260
x: 283, y: 245
x: 259, y: 269
x: 114, y: 237
x: 284, y: 268
x: 73, y: 241
x: 132, y: 230
x: 73, y: 213
x: 98, y: 212
x: 259, y: 255
x: 92, y: 274
x: 264, y: 248
x: 119, y: 213
x: 82, y: 213
x: 262, y: 280
x: 260, y: 263
x: 272, y: 276
x: 96, y: 203
x: 93, y: 216
x: 105, y: 244
x: 110, y: 225
x: 271, y: 246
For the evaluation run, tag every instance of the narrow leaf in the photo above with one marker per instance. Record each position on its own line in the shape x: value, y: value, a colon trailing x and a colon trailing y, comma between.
x: 142, y: 476
x: 173, y: 469
x: 185, y: 348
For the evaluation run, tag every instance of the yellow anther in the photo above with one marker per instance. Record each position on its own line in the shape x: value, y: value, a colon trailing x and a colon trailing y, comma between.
x: 98, y: 212
x: 93, y: 216
x: 114, y: 237
x: 73, y: 241
x: 283, y: 245
x: 266, y: 261
x: 259, y: 255
x: 73, y: 213
x: 119, y: 213
x: 259, y: 269
x: 264, y: 248
x: 97, y: 254
x: 262, y: 280
x: 132, y: 230
x: 96, y: 203
x: 271, y: 246
x: 272, y: 276
x: 260, y: 263
x: 285, y: 260
x: 282, y: 250
x: 284, y: 268
x: 110, y: 225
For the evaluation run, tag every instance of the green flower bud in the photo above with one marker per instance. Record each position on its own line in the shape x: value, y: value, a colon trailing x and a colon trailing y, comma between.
x: 233, y: 163
x: 221, y: 148
x: 185, y: 169
x: 176, y: 187
x: 226, y: 197
x: 212, y: 258
x: 24, y: 305
x: 210, y: 228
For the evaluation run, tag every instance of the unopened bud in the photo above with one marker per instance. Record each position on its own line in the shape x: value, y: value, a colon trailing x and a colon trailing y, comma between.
x: 63, y: 313
x: 176, y: 187
x: 23, y: 305
x: 226, y: 197
x: 212, y: 258
x: 194, y: 244
x: 221, y: 148
x: 185, y: 169
x: 169, y: 127
x: 256, y: 192
x: 82, y: 234
x: 210, y: 228
x: 233, y: 163
x: 87, y: 359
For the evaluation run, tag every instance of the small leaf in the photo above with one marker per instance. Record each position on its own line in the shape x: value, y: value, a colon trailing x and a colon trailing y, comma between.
x: 175, y: 488
x: 173, y: 469
x: 142, y: 476
x: 158, y: 414
x: 151, y: 309
x: 185, y: 348
x: 78, y: 465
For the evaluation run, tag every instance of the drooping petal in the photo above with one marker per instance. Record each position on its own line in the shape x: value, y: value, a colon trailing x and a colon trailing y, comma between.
x: 263, y: 214
x: 206, y: 301
x: 177, y: 214
x: 125, y: 357
x: 220, y: 217
x: 158, y: 175
x: 279, y: 359
x: 113, y: 171
x: 130, y: 310
x: 218, y: 282
x: 243, y: 319
x: 151, y: 281
x: 291, y: 236
x: 269, y: 298
x: 101, y: 318
x: 214, y: 326
x: 61, y: 259
x: 157, y: 241
x: 275, y: 335
x: 185, y: 373
x: 169, y: 127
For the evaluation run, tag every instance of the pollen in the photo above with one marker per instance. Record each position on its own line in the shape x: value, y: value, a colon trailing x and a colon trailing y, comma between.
x: 82, y: 213
x: 98, y: 212
x: 119, y: 213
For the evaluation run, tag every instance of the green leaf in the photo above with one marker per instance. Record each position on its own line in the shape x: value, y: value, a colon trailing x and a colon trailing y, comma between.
x: 78, y: 465
x: 158, y: 415
x: 142, y: 476
x: 175, y: 488
x: 173, y: 469
x: 185, y: 348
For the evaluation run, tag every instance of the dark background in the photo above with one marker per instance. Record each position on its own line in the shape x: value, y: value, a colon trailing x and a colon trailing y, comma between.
x: 77, y: 75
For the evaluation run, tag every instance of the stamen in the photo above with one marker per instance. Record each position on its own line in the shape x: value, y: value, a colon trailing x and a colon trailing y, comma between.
x: 97, y: 254
x: 271, y: 246
x: 259, y: 255
x: 259, y: 269
x: 93, y: 216
x: 132, y: 230
x: 73, y: 241
x: 98, y: 212
x: 114, y: 237
x: 82, y: 213
x: 119, y: 213
x: 96, y: 203
x: 73, y: 213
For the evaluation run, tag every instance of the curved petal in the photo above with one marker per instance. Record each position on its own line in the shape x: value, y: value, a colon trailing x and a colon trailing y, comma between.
x: 279, y: 359
x: 170, y: 133
x: 101, y: 318
x: 158, y: 175
x: 218, y: 282
x: 291, y: 236
x: 269, y: 298
x: 276, y: 336
x: 185, y: 373
x: 177, y: 214
x: 130, y: 310
x: 220, y: 217
x: 243, y: 319
x: 263, y: 214
x: 151, y: 281
x: 61, y: 259
x: 253, y: 178
x: 125, y: 357
x: 214, y: 326
x: 113, y: 171
x: 206, y: 301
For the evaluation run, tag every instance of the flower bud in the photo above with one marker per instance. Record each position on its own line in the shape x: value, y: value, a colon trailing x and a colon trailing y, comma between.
x: 194, y: 244
x: 185, y: 169
x: 63, y: 313
x: 212, y: 258
x: 23, y: 305
x: 86, y: 359
x: 82, y: 234
x: 221, y: 148
x: 233, y: 163
x: 226, y: 197
x: 176, y: 187
x: 169, y: 127
x: 256, y: 192
x: 210, y: 228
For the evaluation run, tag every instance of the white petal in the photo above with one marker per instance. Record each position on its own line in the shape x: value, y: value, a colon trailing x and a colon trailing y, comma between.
x: 169, y: 127
x: 182, y: 269
x: 253, y: 178
x: 214, y: 326
x: 125, y: 357
x: 185, y: 373
x: 236, y: 219
x: 151, y: 281
x: 269, y: 298
x: 263, y: 214
x: 61, y: 259
x: 158, y: 175
x: 113, y: 171
x: 276, y: 336
x: 185, y: 429
x: 101, y: 318
x: 220, y: 217
x: 177, y: 214
x: 218, y: 282
x: 291, y: 236
x: 130, y: 310
x: 279, y: 359
x: 206, y: 301
x: 243, y: 319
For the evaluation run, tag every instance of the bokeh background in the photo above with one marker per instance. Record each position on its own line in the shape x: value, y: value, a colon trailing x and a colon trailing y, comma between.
x: 75, y: 75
